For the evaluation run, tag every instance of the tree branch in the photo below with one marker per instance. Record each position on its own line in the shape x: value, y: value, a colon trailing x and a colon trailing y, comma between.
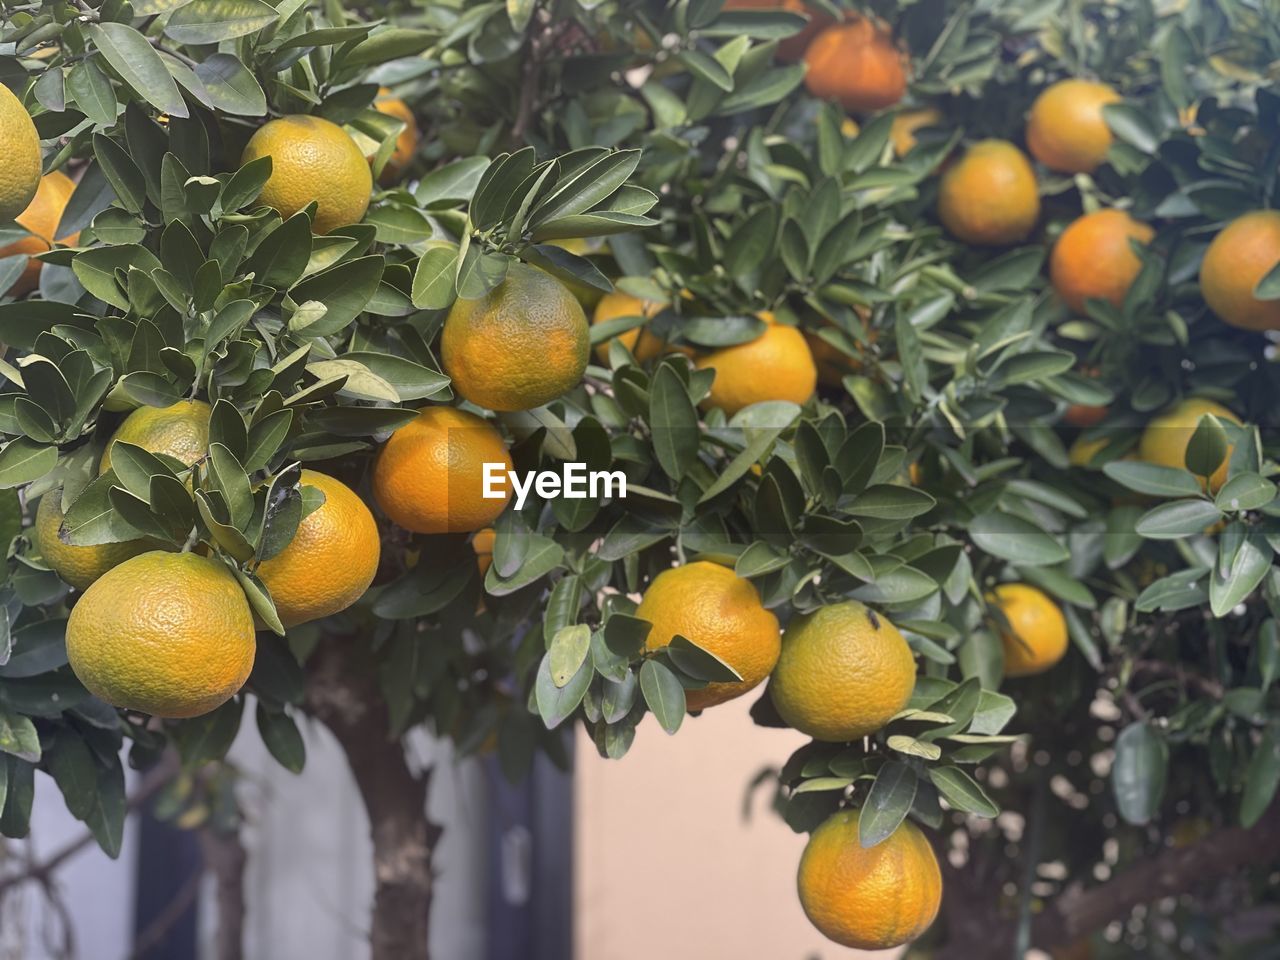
x: 343, y: 695
x: 225, y: 857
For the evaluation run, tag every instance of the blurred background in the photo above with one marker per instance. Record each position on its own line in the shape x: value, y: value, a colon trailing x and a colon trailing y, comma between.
x: 521, y: 876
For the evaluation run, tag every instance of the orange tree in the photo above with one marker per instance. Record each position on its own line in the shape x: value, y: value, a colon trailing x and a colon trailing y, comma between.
x: 886, y: 436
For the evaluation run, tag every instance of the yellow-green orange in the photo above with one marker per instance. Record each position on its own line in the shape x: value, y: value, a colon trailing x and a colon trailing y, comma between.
x: 78, y: 566
x: 521, y: 345
x: 1036, y: 636
x: 312, y: 159
x: 720, y: 612
x: 406, y: 142
x: 180, y: 430
x: 1066, y: 130
x: 169, y: 634
x: 331, y: 560
x: 869, y: 898
x: 429, y: 477
x: 1165, y: 439
x: 20, y: 171
x: 843, y: 673
x: 777, y: 365
x: 989, y: 196
x: 1244, y: 252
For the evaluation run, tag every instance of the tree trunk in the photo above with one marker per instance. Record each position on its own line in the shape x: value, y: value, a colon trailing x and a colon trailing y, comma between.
x: 225, y: 858
x: 342, y: 694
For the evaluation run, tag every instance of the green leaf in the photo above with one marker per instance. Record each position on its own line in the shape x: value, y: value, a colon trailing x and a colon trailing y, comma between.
x: 962, y: 792
x: 281, y: 258
x: 1261, y: 779
x: 345, y: 290
x: 23, y: 460
x: 1245, y: 491
x: 557, y: 703
x: 212, y: 21
x: 18, y: 736
x: 281, y: 737
x: 92, y: 91
x: 888, y: 803
x: 453, y: 183
x: 138, y: 64
x: 106, y: 818
x: 1231, y: 586
x: 700, y: 663
x: 231, y: 86
x: 1152, y: 479
x: 1207, y: 448
x: 568, y: 651
x: 673, y: 423
x: 1180, y: 518
x: 122, y: 173
x: 913, y: 747
x: 890, y: 502
x: 433, y: 280
x: 664, y: 695
x: 1017, y: 540
x: 1132, y: 125
x: 72, y: 767
x: 1138, y: 773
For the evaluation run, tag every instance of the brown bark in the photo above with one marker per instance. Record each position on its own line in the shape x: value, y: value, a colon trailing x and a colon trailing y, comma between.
x: 975, y: 931
x: 225, y: 857
x: 343, y: 695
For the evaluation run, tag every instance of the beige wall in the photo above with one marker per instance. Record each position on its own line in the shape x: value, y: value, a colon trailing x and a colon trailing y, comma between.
x: 666, y: 865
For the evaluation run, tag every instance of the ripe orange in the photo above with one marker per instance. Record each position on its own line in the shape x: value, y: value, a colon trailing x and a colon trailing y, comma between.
x: 832, y: 363
x: 1165, y: 439
x: 720, y: 612
x: 903, y: 132
x: 989, y: 196
x: 1093, y: 258
x: 777, y: 365
x: 429, y: 477
x: 1065, y: 128
x: 312, y: 159
x: 869, y: 898
x: 78, y: 566
x: 180, y: 430
x: 1241, y: 255
x: 857, y: 64
x: 169, y: 634
x: 521, y: 345
x: 406, y: 142
x: 20, y: 171
x: 1036, y: 636
x: 331, y: 560
x: 793, y: 47
x: 843, y: 673
x: 644, y: 346
x: 482, y: 544
x: 41, y: 219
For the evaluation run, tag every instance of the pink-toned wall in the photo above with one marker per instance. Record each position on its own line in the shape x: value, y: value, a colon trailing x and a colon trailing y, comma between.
x: 665, y: 863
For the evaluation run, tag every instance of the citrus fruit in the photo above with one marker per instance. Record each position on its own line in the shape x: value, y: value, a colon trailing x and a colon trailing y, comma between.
x: 1082, y: 451
x: 312, y: 159
x: 644, y: 346
x: 792, y: 48
x: 989, y: 196
x: 1165, y: 439
x: 856, y: 64
x: 331, y: 560
x: 777, y: 365
x: 1242, y: 254
x: 1094, y: 259
x: 429, y: 477
x: 482, y: 544
x: 902, y: 134
x: 1036, y: 635
x: 831, y: 361
x: 78, y: 566
x: 41, y: 220
x: 406, y: 142
x: 180, y: 430
x: 20, y: 172
x: 869, y: 898
x: 720, y: 612
x: 169, y: 634
x: 843, y: 673
x: 1066, y: 130
x: 521, y: 345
